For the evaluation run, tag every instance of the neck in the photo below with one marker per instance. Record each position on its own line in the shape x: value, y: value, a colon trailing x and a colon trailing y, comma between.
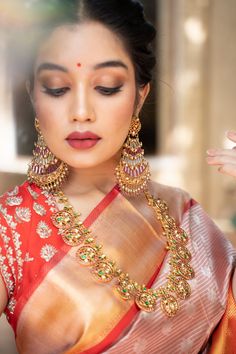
x: 86, y: 180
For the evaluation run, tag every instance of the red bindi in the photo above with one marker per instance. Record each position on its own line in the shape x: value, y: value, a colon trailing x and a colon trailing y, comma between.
x: 79, y: 65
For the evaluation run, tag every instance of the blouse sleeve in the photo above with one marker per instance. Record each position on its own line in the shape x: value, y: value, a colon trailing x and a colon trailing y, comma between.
x: 223, y: 338
x: 10, y: 251
x: 6, y: 254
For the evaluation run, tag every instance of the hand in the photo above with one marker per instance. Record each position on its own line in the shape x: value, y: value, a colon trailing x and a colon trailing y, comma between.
x: 224, y: 158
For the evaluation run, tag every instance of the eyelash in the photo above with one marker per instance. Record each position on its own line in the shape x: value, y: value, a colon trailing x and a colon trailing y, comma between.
x: 57, y: 92
x: 109, y: 91
x: 106, y: 91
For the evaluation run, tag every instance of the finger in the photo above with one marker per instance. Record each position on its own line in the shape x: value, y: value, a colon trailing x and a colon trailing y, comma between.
x: 221, y: 160
x: 228, y: 170
x: 222, y: 152
x: 231, y: 134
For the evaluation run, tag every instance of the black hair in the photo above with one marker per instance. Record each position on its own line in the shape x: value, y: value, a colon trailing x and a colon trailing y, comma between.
x: 124, y: 17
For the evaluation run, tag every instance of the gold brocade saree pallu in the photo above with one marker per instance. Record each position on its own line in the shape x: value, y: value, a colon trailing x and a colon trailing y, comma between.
x: 69, y: 308
x: 66, y: 311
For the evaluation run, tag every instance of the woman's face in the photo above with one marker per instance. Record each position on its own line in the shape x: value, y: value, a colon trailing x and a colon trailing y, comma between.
x: 84, y: 94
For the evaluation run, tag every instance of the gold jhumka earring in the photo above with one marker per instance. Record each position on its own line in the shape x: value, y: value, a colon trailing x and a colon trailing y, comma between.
x: 132, y: 172
x: 45, y: 169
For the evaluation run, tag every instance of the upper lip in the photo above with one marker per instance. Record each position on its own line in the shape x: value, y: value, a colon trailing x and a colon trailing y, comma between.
x: 82, y: 136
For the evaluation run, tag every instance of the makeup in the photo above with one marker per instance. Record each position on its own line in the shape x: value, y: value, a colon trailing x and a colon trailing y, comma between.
x: 82, y: 141
x: 78, y: 65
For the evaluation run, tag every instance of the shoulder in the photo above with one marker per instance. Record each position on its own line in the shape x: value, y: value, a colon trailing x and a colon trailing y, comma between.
x: 177, y: 199
x: 16, y: 204
x: 15, y: 196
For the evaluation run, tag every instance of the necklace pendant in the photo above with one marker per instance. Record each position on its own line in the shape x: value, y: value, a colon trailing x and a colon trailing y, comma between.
x: 184, y: 270
x: 180, y: 286
x: 179, y: 236
x: 87, y: 255
x: 169, y: 305
x: 63, y: 219
x: 103, y: 271
x: 73, y: 236
x: 182, y: 252
x: 146, y: 300
x: 125, y: 287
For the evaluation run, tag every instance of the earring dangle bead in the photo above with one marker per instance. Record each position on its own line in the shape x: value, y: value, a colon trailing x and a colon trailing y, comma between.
x: 45, y: 169
x: 132, y: 172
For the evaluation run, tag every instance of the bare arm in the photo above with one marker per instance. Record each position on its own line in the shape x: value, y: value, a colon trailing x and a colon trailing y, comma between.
x: 3, y: 296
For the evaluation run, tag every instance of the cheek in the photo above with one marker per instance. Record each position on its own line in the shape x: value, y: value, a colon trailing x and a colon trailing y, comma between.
x: 47, y: 110
x: 118, y: 112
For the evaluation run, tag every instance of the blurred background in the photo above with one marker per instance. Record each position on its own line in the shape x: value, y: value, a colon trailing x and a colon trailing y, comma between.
x: 191, y: 107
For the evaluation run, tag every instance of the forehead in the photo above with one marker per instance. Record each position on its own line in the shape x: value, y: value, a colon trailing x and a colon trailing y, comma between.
x: 87, y: 43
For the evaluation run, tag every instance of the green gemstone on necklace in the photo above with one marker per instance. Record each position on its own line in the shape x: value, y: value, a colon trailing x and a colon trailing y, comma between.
x: 101, y: 272
x: 124, y: 290
x: 83, y: 256
x: 147, y: 303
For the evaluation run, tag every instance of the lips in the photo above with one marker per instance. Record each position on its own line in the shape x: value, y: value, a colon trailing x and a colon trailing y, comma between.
x: 83, y: 140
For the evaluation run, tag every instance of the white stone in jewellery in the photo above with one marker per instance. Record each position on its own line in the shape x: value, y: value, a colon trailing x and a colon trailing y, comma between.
x: 43, y: 230
x: 47, y: 252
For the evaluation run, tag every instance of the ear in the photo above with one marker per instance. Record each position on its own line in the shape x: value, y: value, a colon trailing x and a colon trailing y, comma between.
x: 143, y: 93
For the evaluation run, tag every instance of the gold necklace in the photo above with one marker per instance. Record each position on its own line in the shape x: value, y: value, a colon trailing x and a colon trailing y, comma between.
x: 90, y: 254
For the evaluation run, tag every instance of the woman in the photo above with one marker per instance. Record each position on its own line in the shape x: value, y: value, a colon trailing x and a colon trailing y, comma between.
x: 89, y: 212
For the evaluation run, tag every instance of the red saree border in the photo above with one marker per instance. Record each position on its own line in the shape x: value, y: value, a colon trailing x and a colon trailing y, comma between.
x: 190, y: 203
x: 108, y: 198
x: 124, y: 322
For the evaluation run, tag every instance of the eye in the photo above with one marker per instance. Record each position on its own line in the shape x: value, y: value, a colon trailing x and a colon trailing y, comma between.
x: 108, y: 91
x: 56, y: 92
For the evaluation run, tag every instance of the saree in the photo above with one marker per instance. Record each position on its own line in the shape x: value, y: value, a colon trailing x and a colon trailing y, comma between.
x: 55, y: 306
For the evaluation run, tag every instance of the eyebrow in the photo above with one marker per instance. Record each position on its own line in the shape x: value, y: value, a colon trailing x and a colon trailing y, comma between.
x: 106, y: 64
x: 111, y: 64
x: 51, y: 66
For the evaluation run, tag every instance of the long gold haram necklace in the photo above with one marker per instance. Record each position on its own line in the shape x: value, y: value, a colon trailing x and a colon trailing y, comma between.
x: 103, y: 269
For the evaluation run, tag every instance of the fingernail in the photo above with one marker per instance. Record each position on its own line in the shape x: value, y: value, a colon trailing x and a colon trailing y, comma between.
x: 211, y: 151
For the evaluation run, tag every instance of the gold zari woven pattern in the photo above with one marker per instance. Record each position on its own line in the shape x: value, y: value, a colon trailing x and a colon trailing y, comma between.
x: 90, y: 254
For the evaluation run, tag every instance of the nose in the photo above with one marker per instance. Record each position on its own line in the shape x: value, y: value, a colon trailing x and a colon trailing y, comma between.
x: 82, y: 108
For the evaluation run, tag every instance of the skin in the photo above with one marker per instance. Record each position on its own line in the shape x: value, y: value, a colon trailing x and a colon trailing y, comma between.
x: 225, y: 159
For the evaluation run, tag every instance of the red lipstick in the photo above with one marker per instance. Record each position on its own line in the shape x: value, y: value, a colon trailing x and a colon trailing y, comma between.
x: 83, y: 140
